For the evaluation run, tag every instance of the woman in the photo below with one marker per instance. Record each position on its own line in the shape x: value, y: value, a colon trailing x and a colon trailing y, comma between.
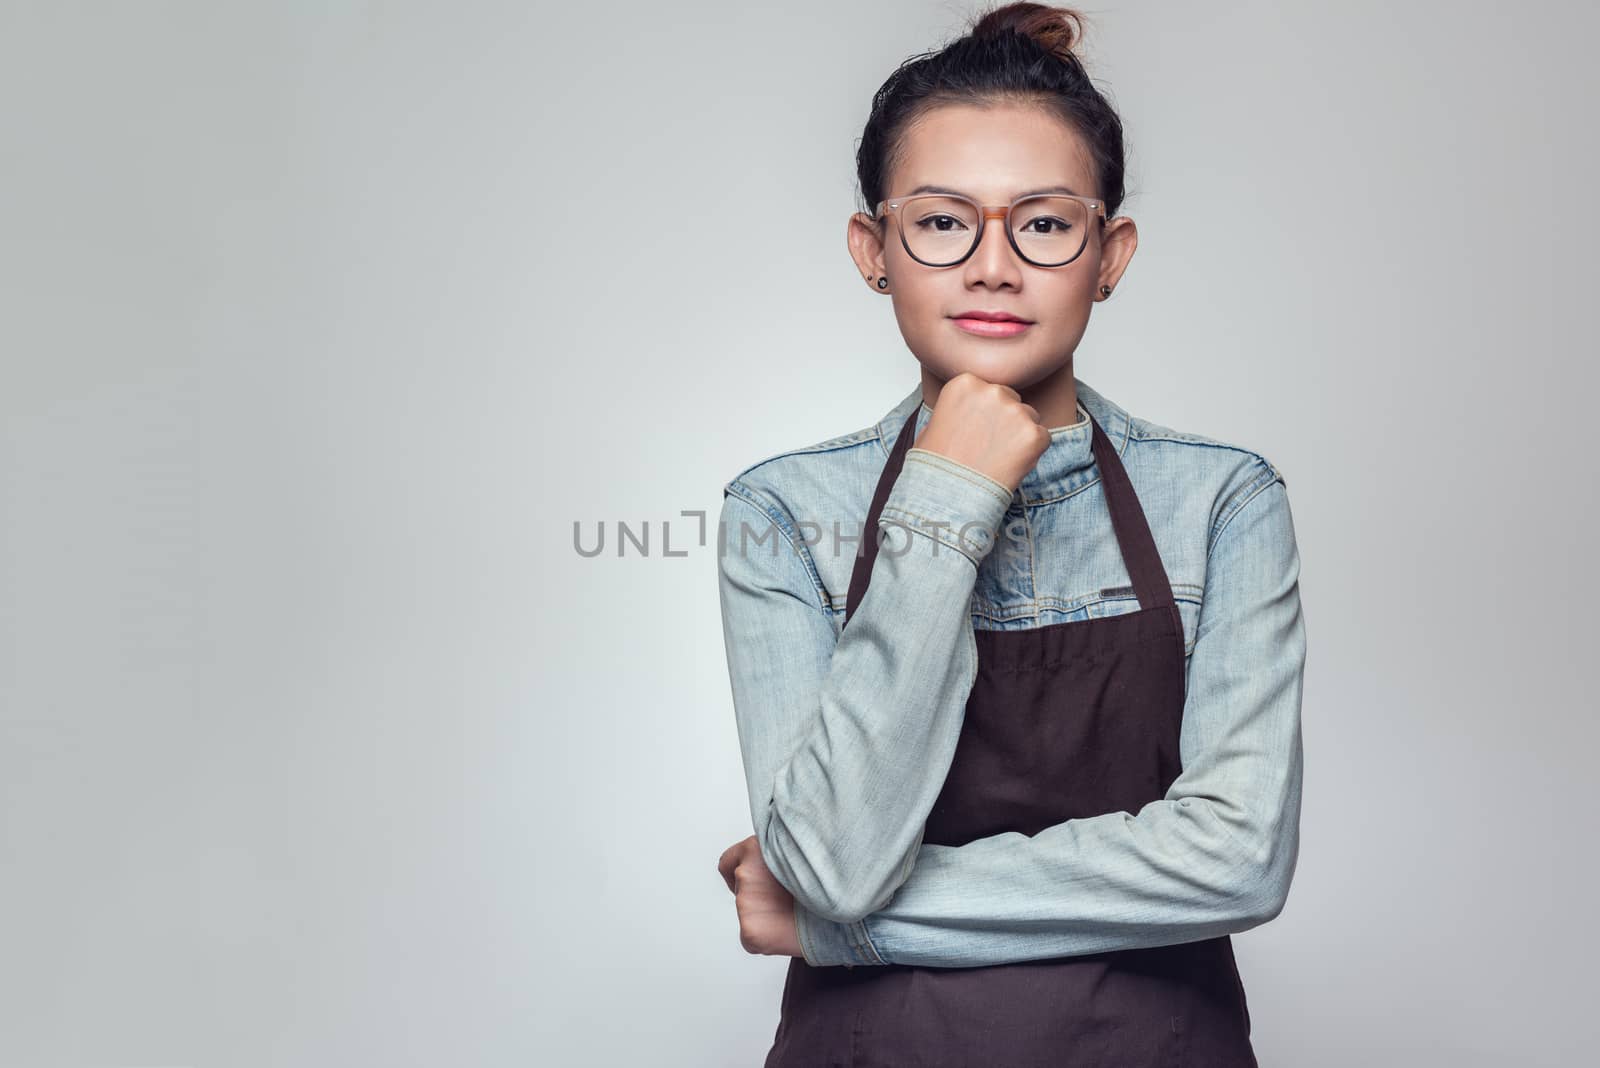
x: 1018, y: 773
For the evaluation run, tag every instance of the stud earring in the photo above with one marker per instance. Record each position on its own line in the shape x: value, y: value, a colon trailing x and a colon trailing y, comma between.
x: 883, y: 283
x: 1105, y: 291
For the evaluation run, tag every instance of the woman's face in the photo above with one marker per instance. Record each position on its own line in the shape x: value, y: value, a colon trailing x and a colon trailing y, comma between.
x: 992, y: 155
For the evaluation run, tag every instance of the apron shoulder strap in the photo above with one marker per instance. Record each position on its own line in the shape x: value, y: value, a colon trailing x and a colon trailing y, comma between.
x: 867, y: 550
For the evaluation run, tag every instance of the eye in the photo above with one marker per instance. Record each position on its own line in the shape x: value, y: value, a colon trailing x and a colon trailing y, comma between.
x: 937, y: 223
x: 1061, y: 225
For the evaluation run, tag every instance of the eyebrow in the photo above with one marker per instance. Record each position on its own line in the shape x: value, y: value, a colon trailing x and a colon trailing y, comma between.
x: 957, y: 193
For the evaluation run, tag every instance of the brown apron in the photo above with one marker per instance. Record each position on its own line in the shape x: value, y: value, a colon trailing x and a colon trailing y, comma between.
x: 1064, y: 721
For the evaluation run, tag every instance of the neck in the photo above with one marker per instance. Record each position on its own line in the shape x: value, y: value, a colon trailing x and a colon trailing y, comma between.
x: 1054, y: 397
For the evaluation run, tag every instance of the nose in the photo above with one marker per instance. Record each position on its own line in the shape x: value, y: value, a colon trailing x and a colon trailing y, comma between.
x: 994, y: 262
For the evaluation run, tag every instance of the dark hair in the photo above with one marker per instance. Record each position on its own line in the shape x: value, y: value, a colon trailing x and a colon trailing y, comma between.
x: 1021, y: 52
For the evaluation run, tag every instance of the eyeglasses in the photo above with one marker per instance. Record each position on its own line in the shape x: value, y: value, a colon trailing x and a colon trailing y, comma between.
x: 942, y: 230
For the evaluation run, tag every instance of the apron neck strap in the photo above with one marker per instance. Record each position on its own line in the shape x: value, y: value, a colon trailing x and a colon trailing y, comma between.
x: 1139, y: 554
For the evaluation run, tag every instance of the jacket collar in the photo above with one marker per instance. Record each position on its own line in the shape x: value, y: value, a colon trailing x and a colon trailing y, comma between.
x: 1066, y: 466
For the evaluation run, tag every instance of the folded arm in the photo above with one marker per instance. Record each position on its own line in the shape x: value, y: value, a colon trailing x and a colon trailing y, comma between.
x: 846, y: 738
x: 1214, y: 856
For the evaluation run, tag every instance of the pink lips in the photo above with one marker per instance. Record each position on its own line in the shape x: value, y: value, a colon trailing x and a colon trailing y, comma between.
x: 992, y: 328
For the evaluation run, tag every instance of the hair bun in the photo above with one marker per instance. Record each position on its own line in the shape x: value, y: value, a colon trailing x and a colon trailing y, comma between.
x: 1018, y: 53
x: 1056, y: 29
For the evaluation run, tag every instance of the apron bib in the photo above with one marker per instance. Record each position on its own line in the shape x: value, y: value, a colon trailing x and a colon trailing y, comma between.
x: 1064, y: 721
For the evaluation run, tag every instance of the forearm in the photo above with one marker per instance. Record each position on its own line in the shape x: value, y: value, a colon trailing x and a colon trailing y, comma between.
x: 1173, y: 873
x: 842, y: 782
x: 845, y: 817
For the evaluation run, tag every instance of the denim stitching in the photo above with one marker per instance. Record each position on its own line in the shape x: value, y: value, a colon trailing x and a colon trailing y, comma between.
x: 928, y: 529
x: 807, y: 950
x: 843, y: 441
x: 944, y: 463
x: 1243, y: 496
x: 865, y: 946
x: 779, y: 521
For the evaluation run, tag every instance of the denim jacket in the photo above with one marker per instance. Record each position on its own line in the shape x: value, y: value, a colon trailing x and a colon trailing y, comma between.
x: 847, y: 733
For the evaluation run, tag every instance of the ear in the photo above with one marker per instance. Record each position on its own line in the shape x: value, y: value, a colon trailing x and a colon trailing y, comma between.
x: 1117, y: 242
x: 866, y: 248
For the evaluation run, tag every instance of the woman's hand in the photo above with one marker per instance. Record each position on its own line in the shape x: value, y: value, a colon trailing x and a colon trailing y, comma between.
x: 985, y: 426
x: 766, y: 909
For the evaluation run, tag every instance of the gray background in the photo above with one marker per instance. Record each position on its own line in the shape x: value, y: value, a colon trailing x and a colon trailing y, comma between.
x: 321, y: 325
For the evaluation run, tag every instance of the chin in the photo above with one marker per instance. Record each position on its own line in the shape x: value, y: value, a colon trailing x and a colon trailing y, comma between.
x: 997, y: 361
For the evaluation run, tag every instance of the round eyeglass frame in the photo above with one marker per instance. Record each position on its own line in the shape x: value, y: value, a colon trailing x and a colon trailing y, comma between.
x: 986, y: 212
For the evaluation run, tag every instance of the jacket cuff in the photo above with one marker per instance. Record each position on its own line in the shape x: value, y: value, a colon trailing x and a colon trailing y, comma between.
x: 957, y: 506
x: 825, y: 943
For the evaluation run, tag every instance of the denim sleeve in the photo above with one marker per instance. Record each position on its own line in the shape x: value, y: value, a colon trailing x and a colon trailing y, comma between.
x: 846, y: 738
x: 1214, y: 856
